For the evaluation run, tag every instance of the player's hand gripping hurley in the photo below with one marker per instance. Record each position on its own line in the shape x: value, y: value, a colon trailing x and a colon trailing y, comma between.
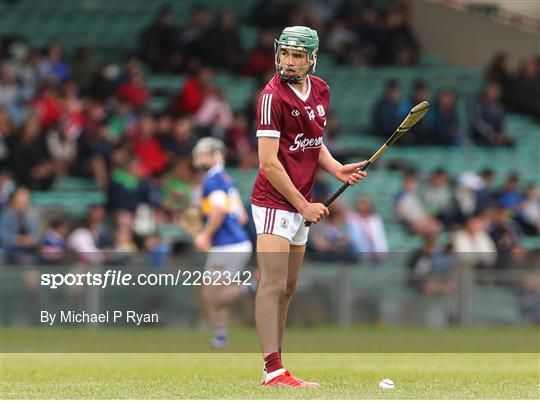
x: 415, y: 115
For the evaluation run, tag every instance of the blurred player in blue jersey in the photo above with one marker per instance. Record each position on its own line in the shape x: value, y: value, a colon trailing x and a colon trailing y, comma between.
x: 222, y: 237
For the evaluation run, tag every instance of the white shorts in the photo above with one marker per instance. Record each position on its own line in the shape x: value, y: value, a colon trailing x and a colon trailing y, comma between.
x: 280, y: 223
x: 229, y: 257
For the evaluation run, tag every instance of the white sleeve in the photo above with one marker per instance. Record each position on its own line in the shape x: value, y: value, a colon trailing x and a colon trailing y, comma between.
x: 218, y: 198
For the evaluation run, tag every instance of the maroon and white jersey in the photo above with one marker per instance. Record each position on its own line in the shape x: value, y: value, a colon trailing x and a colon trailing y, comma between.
x: 298, y: 121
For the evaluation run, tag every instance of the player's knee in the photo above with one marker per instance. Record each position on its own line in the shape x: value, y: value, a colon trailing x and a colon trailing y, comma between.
x: 290, y: 290
x: 274, y: 289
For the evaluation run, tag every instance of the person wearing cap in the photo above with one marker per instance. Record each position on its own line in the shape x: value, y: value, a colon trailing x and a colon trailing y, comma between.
x: 222, y: 237
x: 292, y: 111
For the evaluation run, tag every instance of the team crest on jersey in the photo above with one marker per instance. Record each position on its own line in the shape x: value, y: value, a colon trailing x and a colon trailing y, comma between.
x: 284, y: 223
x: 310, y: 112
x: 320, y: 109
x: 295, y: 112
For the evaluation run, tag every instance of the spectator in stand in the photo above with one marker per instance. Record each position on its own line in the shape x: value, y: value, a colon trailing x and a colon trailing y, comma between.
x: 488, y: 117
x: 411, y: 210
x: 158, y: 43
x: 333, y: 141
x: 105, y: 83
x: 128, y: 189
x: 124, y: 249
x: 53, y: 243
x: 158, y: 251
x: 429, y: 269
x: 388, y: 112
x: 193, y: 38
x: 29, y: 74
x: 164, y: 125
x: 370, y: 35
x: 123, y: 240
x: 181, y: 141
x: 466, y: 196
x: 147, y: 146
x: 12, y: 95
x: 329, y: 240
x: 250, y: 110
x: 94, y: 153
x: 473, y: 245
x: 120, y: 120
x: 19, y: 228
x: 84, y: 68
x: 7, y: 186
x: 192, y: 94
x: 498, y: 71
x: 262, y: 59
x: 62, y: 147
x: 176, y: 189
x: 529, y: 211
x: 400, y: 45
x: 343, y: 43
x: 306, y: 14
x: 505, y: 234
x: 438, y: 197
x: 333, y: 136
x: 525, y: 93
x: 321, y: 189
x: 215, y: 117
x: 422, y: 132
x: 6, y: 131
x: 446, y: 130
x: 510, y: 197
x: 241, y: 144
x: 224, y: 47
x: 73, y: 116
x: 29, y: 158
x: 88, y: 240
x: 54, y: 66
x: 48, y: 106
x: 485, y: 194
x: 272, y: 14
x: 366, y: 231
x: 134, y: 90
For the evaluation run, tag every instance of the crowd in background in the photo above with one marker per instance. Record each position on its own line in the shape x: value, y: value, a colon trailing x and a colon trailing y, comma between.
x: 366, y: 33
x: 67, y: 115
x: 442, y: 125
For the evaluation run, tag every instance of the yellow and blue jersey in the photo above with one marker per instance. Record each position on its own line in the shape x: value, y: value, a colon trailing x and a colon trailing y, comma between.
x: 218, y: 189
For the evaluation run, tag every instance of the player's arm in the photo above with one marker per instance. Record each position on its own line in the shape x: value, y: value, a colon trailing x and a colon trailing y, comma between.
x: 327, y: 162
x: 218, y: 208
x: 342, y: 172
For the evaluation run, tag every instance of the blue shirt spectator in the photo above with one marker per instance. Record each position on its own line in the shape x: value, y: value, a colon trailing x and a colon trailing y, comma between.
x: 510, y: 197
x: 53, y: 243
x: 446, y: 130
x: 19, y: 228
x: 487, y: 121
x: 388, y: 111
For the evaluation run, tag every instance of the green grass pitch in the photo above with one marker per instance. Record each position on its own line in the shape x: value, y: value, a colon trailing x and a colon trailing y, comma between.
x: 233, y: 375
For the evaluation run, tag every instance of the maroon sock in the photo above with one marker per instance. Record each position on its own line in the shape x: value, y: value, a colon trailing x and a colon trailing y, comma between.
x: 272, y: 362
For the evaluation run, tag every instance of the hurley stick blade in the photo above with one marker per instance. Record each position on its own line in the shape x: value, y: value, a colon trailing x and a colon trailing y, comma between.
x: 415, y: 115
